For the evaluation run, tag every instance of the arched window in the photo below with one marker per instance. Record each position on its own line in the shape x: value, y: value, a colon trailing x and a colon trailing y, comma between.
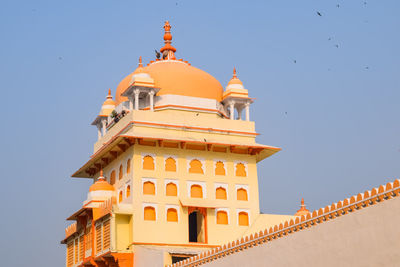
x: 149, y: 188
x: 128, y: 166
x: 149, y: 214
x: 219, y: 168
x: 148, y: 163
x: 120, y: 197
x: 112, y: 178
x: 196, y: 166
x: 241, y: 194
x: 196, y: 191
x: 128, y: 191
x: 240, y: 170
x: 220, y: 193
x: 170, y: 165
x: 222, y: 217
x: 172, y: 215
x: 171, y: 189
x: 243, y: 218
x: 120, y: 174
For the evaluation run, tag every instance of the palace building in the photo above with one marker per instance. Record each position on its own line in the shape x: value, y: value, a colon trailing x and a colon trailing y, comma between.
x: 174, y: 171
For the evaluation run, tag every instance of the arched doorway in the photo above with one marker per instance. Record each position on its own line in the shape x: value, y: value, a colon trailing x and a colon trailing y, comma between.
x: 197, y: 227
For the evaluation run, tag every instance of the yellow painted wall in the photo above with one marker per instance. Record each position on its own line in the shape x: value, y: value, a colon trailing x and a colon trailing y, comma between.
x: 123, y: 224
x: 161, y: 231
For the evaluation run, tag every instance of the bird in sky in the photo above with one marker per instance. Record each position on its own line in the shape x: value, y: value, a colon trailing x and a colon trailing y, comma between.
x: 337, y: 5
x: 295, y: 61
x: 158, y: 55
x: 337, y: 46
x: 165, y: 54
x: 319, y: 14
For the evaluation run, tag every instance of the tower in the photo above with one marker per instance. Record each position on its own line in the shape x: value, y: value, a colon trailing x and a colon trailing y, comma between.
x: 174, y: 170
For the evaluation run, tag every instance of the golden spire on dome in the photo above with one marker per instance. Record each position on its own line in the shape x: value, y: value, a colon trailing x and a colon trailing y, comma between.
x: 168, y: 50
x: 140, y: 62
x: 109, y: 96
x: 234, y: 73
x: 303, y: 210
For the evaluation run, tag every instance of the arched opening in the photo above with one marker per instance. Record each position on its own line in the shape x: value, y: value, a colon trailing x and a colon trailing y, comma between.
x: 172, y: 215
x: 149, y: 188
x: 170, y: 165
x: 112, y: 178
x: 220, y: 193
x: 120, y: 197
x: 148, y: 163
x: 128, y: 166
x: 222, y: 217
x: 196, y: 191
x: 196, y: 227
x: 196, y: 166
x: 149, y: 214
x: 243, y: 218
x: 171, y: 189
x: 219, y: 168
x: 128, y: 191
x: 242, y: 194
x: 240, y: 170
x: 120, y: 174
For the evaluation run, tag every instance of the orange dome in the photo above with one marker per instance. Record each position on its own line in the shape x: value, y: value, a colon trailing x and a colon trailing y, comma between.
x: 177, y: 78
x: 101, y: 185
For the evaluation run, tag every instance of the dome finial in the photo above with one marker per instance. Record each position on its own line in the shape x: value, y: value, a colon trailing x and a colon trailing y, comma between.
x: 234, y: 72
x: 303, y: 210
x: 140, y: 62
x: 109, y: 96
x: 168, y: 50
x: 101, y: 177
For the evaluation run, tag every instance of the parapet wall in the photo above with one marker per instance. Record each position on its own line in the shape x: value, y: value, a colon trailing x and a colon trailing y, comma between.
x: 359, y: 231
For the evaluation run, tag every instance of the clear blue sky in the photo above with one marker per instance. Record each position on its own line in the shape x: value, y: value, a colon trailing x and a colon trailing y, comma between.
x: 335, y: 112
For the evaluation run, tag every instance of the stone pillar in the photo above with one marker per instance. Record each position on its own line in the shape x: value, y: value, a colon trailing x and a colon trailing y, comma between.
x: 151, y: 94
x: 98, y: 131
x: 104, y: 125
x: 239, y: 111
x: 130, y: 103
x: 247, y: 109
x: 232, y: 110
x: 136, y: 99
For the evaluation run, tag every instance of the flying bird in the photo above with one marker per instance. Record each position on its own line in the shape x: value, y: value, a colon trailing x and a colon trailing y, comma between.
x: 165, y: 54
x: 158, y: 55
x: 337, y: 46
x: 337, y: 5
x: 319, y: 14
x: 295, y: 61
